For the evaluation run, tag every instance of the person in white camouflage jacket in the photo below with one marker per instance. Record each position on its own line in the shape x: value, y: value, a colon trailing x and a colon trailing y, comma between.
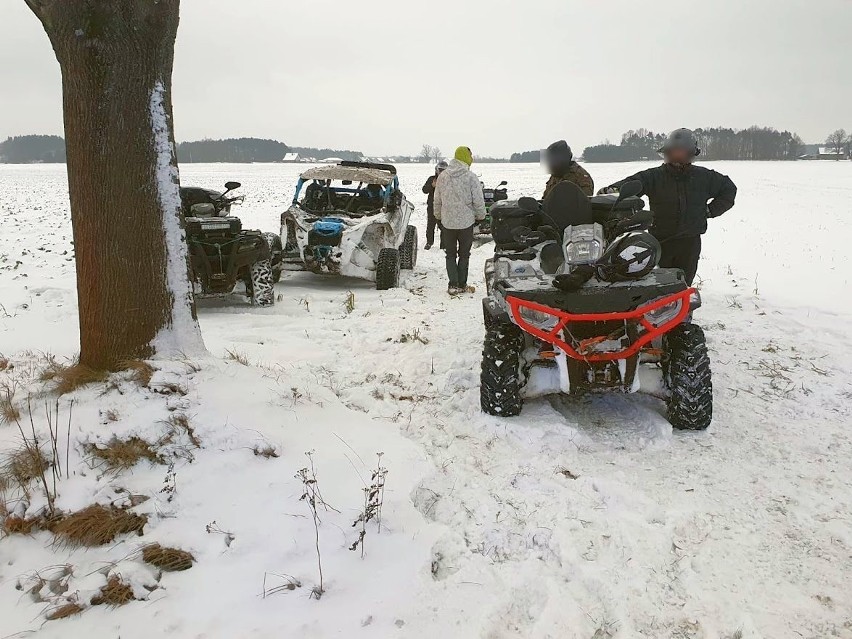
x: 459, y: 205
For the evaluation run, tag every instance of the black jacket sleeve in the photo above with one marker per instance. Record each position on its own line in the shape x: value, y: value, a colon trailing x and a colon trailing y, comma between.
x: 646, y: 177
x: 723, y: 192
x: 428, y: 188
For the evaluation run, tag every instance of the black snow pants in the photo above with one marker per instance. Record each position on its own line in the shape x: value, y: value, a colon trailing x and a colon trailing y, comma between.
x: 431, y: 223
x: 682, y: 253
x: 457, y: 243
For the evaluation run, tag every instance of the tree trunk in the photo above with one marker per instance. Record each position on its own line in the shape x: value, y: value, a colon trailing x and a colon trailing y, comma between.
x: 133, y: 288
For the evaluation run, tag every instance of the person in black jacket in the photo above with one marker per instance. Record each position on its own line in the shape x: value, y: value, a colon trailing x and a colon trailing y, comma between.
x: 682, y: 196
x: 429, y: 189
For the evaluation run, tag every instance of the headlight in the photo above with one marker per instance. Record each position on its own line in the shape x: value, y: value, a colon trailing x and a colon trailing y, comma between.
x: 664, y: 314
x: 583, y: 252
x: 501, y: 269
x: 583, y: 243
x: 539, y: 319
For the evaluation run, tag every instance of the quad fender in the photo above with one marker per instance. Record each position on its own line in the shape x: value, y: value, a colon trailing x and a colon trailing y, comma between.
x: 494, y: 313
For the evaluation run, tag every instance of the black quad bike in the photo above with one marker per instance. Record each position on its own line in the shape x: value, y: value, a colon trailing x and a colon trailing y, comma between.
x: 575, y: 299
x: 222, y: 253
x: 491, y: 197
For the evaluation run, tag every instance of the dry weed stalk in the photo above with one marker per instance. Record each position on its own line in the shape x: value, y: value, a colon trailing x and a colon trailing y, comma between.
x: 349, y: 303
x: 312, y: 496
x: 290, y: 583
x: 214, y: 528
x: 374, y: 496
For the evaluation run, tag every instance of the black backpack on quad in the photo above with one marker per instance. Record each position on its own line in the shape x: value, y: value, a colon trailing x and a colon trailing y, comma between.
x: 491, y: 197
x: 576, y: 302
x: 222, y: 253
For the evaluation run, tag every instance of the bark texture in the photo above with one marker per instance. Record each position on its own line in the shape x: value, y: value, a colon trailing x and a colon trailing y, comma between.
x: 116, y: 58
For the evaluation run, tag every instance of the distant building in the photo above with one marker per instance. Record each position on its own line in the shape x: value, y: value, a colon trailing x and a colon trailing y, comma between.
x: 332, y: 160
x: 820, y: 152
x: 291, y: 157
x: 826, y: 153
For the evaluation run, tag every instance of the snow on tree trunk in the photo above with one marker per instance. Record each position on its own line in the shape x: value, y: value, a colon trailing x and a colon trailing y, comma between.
x: 182, y: 333
x: 134, y: 291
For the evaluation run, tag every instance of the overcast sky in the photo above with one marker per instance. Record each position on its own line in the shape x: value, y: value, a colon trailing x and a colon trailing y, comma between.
x: 498, y: 75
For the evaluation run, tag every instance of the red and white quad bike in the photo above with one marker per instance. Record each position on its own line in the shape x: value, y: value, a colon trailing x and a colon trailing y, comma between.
x: 542, y: 338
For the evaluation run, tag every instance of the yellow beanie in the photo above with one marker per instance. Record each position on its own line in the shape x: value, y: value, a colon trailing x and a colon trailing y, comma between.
x: 464, y: 154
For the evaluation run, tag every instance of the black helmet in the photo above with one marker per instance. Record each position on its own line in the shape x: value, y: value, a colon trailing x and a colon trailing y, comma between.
x: 681, y: 139
x: 558, y: 157
x: 630, y: 257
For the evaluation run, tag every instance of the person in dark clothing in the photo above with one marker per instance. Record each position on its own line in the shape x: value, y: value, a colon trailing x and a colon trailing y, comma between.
x: 559, y: 160
x: 431, y: 222
x: 683, y: 197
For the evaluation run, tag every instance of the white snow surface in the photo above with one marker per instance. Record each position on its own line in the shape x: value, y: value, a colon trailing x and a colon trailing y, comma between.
x: 582, y: 518
x: 182, y: 335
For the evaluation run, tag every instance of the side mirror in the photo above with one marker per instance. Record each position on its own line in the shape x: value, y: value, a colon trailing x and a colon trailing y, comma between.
x: 529, y: 204
x: 629, y: 189
x: 205, y: 209
x: 503, y: 183
x: 230, y: 186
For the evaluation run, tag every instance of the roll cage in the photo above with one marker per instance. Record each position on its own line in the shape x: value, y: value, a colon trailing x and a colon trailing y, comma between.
x: 380, y: 178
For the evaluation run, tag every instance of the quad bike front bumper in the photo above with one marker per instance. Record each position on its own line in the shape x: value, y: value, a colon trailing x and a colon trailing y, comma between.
x: 584, y: 336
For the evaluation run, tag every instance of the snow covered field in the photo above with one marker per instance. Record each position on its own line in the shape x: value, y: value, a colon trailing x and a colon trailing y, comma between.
x: 581, y: 519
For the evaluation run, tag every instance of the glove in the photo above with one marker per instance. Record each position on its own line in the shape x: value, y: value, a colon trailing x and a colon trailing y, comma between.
x: 575, y: 280
x: 608, y: 190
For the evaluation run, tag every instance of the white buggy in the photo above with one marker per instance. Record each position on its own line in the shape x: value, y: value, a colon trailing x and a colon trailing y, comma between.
x: 350, y: 219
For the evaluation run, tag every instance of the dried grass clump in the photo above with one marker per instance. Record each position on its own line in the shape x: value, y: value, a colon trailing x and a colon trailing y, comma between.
x: 267, y: 451
x: 9, y: 413
x: 51, y: 370
x: 67, y: 379
x: 97, y: 525
x: 179, y: 423
x: 118, y: 454
x: 116, y: 593
x: 238, y: 357
x: 65, y: 611
x: 22, y: 466
x: 167, y: 559
x: 4, y: 363
x: 14, y: 525
x: 142, y: 371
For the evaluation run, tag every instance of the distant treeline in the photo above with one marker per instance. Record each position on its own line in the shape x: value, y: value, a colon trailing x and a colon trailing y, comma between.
x: 321, y: 154
x: 37, y: 149
x: 754, y: 143
x: 232, y: 150
x: 526, y: 157
x: 252, y: 150
x: 32, y: 149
